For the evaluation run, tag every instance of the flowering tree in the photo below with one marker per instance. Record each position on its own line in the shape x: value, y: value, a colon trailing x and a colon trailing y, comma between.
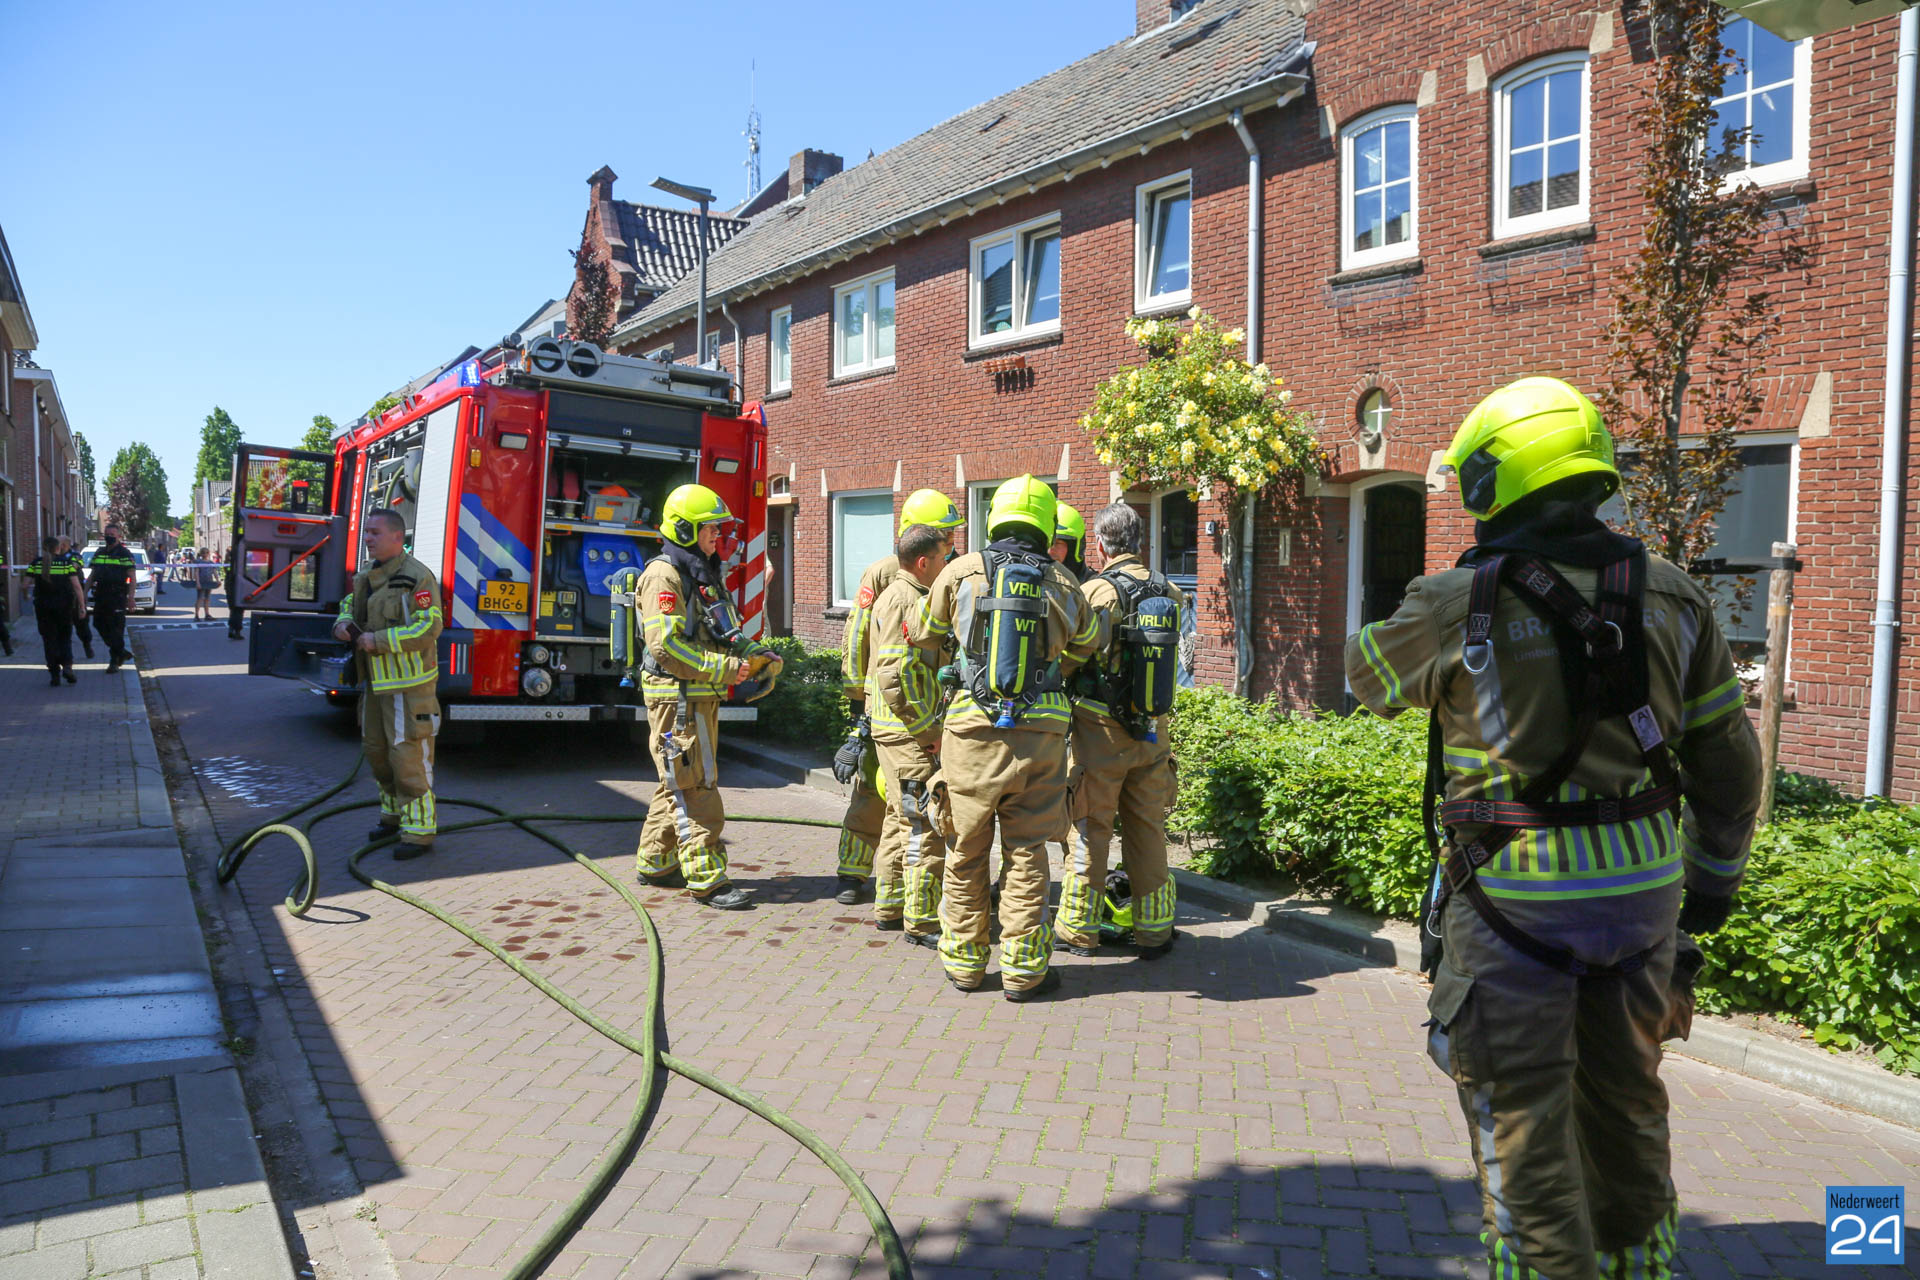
x: 1680, y: 335
x: 1197, y: 415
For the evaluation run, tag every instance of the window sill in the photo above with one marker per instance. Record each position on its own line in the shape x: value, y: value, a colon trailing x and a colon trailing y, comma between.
x: 838, y: 613
x: 785, y: 393
x: 987, y: 351
x: 1162, y: 306
x: 1790, y: 191
x: 1379, y: 271
x: 1574, y: 234
x: 885, y: 370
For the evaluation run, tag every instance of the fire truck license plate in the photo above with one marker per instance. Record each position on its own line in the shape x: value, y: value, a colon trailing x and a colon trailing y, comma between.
x: 503, y: 597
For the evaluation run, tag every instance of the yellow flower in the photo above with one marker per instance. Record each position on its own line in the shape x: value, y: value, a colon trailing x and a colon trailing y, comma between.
x: 1193, y: 313
x: 1235, y: 335
x: 1190, y: 407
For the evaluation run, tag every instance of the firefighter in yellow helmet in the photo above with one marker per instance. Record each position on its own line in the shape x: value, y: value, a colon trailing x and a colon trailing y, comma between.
x: 694, y: 654
x: 906, y: 706
x: 1600, y: 781
x: 1070, y: 541
x: 392, y: 618
x: 1021, y: 628
x: 855, y: 762
x: 1122, y: 757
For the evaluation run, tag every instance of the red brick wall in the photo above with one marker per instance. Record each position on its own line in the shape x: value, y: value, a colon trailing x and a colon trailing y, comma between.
x: 1437, y: 339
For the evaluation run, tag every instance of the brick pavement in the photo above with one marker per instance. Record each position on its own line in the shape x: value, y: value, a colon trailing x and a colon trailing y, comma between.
x: 1249, y: 1107
x: 62, y: 773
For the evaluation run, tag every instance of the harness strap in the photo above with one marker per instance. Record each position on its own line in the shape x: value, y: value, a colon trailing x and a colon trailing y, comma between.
x: 1558, y: 813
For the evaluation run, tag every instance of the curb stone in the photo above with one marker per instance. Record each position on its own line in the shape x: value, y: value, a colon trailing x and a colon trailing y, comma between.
x: 1394, y: 944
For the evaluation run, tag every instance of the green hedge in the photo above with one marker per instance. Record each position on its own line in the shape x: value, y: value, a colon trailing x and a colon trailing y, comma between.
x: 807, y: 705
x: 1827, y: 930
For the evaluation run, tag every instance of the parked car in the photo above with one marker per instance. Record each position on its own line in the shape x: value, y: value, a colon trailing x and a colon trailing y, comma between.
x: 146, y: 578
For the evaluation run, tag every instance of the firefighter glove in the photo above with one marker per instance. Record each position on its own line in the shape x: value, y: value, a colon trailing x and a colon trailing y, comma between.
x: 1702, y: 913
x: 846, y: 761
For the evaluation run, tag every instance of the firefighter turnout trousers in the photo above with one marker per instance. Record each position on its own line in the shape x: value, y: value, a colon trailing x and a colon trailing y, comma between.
x: 686, y: 817
x: 1015, y: 779
x: 1116, y: 776
x: 1559, y: 1080
x: 396, y: 731
x: 913, y: 856
x: 860, y: 829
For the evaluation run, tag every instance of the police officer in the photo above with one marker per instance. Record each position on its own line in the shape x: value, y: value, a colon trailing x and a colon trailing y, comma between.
x: 906, y: 706
x: 1580, y: 690
x: 866, y: 812
x: 1122, y: 757
x: 694, y: 654
x: 111, y: 582
x: 80, y: 625
x: 56, y: 603
x: 1022, y: 627
x: 392, y: 618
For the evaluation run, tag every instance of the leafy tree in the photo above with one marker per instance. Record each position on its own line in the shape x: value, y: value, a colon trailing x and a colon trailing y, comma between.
x: 219, y: 438
x: 380, y: 406
x: 592, y: 305
x: 140, y: 460
x: 318, y: 439
x: 129, y: 497
x: 1690, y: 331
x: 1197, y: 415
x: 88, y: 477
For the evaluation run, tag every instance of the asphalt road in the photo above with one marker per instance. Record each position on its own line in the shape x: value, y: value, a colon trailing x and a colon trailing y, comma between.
x: 1249, y: 1107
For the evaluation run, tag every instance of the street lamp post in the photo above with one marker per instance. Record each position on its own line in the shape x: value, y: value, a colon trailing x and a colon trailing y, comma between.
x: 702, y: 197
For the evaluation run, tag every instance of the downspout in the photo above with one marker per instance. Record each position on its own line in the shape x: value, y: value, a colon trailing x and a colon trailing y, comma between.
x: 1893, y: 450
x: 739, y: 353
x: 1243, y: 571
x: 39, y: 509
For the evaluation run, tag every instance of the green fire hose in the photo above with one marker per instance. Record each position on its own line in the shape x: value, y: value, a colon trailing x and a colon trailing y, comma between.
x: 300, y: 898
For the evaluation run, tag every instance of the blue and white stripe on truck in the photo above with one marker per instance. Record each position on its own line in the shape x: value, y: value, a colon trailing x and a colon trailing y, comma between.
x: 487, y: 549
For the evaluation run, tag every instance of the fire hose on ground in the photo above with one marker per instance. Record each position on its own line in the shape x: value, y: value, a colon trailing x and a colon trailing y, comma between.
x: 300, y: 898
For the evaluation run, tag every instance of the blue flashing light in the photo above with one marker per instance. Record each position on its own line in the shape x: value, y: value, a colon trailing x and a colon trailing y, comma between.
x: 470, y: 374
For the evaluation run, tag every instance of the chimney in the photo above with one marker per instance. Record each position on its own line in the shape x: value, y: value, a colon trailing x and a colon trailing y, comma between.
x: 601, y: 184
x: 808, y: 169
x: 1149, y: 15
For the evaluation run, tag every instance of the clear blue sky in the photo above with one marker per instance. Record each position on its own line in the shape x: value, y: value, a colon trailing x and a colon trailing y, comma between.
x: 287, y: 210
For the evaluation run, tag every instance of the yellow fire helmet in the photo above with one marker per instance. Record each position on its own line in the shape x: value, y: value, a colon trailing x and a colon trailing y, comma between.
x: 1026, y: 501
x: 1072, y: 526
x: 1524, y: 437
x: 689, y: 507
x: 931, y: 508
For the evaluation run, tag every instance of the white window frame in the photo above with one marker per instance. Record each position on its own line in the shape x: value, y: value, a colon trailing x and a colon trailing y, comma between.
x: 1547, y: 219
x: 869, y: 283
x: 980, y: 497
x: 840, y: 496
x: 1143, y: 198
x: 774, y: 381
x: 1020, y: 236
x: 1350, y: 258
x: 712, y: 354
x: 1797, y: 165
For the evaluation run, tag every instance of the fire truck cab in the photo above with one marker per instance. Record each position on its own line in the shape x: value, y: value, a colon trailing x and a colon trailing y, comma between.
x: 525, y: 485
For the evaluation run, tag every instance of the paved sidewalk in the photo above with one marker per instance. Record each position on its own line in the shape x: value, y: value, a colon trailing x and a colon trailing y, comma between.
x: 126, y: 1148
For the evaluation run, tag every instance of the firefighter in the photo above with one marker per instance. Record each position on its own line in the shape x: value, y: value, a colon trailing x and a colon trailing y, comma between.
x: 57, y: 601
x: 111, y: 583
x: 1122, y: 758
x: 1580, y: 690
x: 905, y: 706
x: 694, y: 654
x: 1070, y: 541
x: 392, y: 618
x: 80, y: 625
x: 866, y: 812
x: 1021, y: 627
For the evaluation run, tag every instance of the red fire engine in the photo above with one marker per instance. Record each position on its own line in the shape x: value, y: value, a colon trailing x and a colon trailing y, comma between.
x: 526, y: 485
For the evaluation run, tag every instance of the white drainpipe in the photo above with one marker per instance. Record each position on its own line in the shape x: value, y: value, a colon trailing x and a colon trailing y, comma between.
x: 39, y: 511
x: 1243, y: 571
x: 1893, y: 451
x: 739, y: 350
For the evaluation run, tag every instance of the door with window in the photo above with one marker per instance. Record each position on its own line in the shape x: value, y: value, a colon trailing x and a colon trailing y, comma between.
x: 291, y: 547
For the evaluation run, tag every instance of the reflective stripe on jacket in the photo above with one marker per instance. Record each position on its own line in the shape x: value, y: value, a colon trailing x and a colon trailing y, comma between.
x: 855, y: 653
x: 679, y: 646
x: 903, y: 689
x: 399, y: 604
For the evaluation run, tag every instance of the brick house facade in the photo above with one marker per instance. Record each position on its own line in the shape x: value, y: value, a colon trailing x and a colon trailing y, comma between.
x: 1400, y: 337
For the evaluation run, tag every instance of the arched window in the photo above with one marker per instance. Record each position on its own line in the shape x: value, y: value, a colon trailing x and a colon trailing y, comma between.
x: 1765, y: 94
x: 1540, y: 137
x: 1373, y: 414
x: 1379, y: 188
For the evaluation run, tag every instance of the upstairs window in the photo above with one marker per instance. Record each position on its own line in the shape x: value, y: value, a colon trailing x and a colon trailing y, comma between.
x: 1379, y: 177
x: 780, y: 350
x: 1163, y: 239
x: 1015, y: 281
x: 863, y: 325
x: 1766, y: 94
x: 1540, y: 147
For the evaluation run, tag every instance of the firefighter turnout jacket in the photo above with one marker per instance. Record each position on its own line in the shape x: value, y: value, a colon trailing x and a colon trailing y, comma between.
x: 902, y: 688
x: 856, y: 656
x: 399, y: 603
x: 680, y: 646
x: 1110, y: 611
x: 1507, y: 723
